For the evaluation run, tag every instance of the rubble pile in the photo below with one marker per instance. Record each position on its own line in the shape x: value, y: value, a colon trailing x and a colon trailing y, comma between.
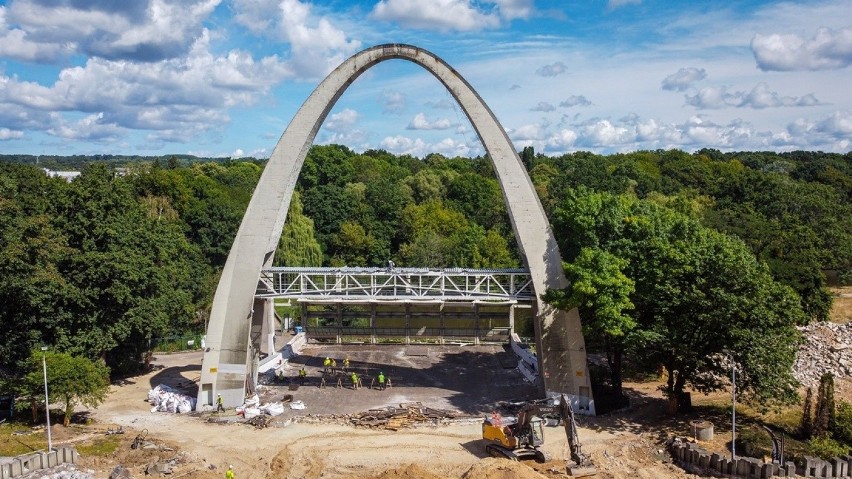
x: 166, y: 399
x: 827, y: 349
x: 406, y: 415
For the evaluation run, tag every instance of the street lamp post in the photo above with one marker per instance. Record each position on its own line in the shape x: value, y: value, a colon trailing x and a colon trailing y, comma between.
x: 46, y: 399
x: 733, y: 410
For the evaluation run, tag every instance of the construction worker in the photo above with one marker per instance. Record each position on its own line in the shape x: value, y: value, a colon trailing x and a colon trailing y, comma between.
x: 302, y: 375
x: 219, y: 403
x: 326, y: 364
x: 381, y: 381
x: 333, y: 365
x: 346, y: 364
x: 354, y: 380
x: 229, y: 474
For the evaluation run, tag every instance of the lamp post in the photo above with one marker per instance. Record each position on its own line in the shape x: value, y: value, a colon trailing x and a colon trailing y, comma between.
x: 733, y: 409
x: 46, y: 399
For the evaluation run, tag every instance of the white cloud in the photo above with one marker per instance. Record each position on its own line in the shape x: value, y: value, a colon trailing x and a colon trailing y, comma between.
x: 7, y: 134
x: 341, y: 126
x: 403, y: 145
x: 316, y: 45
x: 177, y: 98
x: 510, y: 9
x: 575, y: 100
x: 144, y: 31
x: 552, y: 70
x: 529, y: 132
x: 420, y: 122
x: 828, y: 49
x: 341, y: 121
x: 392, y: 101
x: 759, y: 97
x: 684, y: 78
x: 91, y: 127
x: 543, y: 106
x: 447, y: 15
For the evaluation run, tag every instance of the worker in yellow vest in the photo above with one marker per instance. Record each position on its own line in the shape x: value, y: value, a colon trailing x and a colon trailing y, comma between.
x: 229, y: 474
x: 326, y: 364
x: 354, y: 381
x: 381, y: 381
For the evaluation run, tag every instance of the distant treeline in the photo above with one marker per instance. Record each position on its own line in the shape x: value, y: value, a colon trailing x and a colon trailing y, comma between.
x: 102, y: 264
x: 78, y: 162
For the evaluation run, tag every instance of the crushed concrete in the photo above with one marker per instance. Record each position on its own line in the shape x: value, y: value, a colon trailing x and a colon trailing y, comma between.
x: 827, y: 348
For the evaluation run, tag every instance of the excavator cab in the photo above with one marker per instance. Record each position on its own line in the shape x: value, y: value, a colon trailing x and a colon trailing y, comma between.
x: 520, y: 437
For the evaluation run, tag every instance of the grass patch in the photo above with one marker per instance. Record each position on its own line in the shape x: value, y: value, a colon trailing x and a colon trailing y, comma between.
x: 14, y: 443
x: 102, y: 446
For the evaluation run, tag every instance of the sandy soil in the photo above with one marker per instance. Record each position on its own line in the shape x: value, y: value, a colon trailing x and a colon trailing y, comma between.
x: 621, y: 446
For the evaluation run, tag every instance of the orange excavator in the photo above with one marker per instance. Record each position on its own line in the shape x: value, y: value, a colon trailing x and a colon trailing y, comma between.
x: 521, y: 437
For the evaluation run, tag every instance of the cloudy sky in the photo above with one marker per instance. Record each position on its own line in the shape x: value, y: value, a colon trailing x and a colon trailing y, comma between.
x: 224, y: 77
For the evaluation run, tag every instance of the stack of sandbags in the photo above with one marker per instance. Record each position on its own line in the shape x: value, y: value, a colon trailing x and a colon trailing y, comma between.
x: 165, y: 399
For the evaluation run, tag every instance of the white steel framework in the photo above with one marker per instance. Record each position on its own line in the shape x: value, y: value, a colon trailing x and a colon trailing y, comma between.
x: 396, y: 284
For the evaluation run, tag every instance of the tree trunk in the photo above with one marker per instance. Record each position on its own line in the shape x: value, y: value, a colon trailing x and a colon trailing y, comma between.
x: 614, y: 356
x: 69, y: 411
x: 34, y: 409
x: 669, y: 391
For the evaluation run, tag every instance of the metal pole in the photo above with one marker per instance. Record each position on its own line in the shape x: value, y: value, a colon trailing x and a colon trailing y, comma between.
x: 46, y: 399
x: 733, y: 410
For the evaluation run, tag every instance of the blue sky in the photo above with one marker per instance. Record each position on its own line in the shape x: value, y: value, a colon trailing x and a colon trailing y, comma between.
x: 224, y: 77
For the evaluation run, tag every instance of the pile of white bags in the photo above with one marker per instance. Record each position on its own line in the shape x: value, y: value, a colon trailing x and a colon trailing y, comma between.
x: 166, y: 399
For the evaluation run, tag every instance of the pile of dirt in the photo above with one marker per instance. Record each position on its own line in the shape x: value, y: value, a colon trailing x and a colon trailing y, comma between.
x: 411, y: 471
x: 495, y: 468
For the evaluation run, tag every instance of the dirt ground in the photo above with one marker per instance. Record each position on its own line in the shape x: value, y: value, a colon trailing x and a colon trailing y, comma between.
x: 841, y: 310
x: 621, y: 445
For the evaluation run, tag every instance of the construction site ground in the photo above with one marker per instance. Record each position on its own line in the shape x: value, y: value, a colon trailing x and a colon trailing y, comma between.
x: 318, y: 442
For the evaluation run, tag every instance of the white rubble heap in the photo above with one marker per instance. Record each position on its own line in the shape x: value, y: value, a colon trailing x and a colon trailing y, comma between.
x: 252, y: 408
x: 827, y: 348
x: 166, y: 399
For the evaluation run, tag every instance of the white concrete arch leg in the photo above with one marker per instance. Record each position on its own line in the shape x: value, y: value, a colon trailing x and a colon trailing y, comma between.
x: 230, y: 354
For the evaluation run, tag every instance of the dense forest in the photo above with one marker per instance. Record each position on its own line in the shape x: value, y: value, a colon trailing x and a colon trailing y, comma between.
x: 100, y: 265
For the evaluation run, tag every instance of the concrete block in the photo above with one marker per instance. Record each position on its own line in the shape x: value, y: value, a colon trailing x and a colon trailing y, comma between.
x: 703, y: 460
x: 52, y: 459
x: 768, y: 470
x: 838, y: 467
x: 725, y: 466
x: 5, y: 471
x: 714, y: 462
x: 17, y: 468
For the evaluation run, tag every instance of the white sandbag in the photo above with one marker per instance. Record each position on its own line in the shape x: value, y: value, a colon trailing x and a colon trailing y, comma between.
x: 184, y: 406
x: 297, y: 405
x: 252, y: 401
x: 273, y: 409
x: 251, y: 412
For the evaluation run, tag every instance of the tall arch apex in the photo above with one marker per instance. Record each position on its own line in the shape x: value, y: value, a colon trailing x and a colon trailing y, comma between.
x: 235, y: 315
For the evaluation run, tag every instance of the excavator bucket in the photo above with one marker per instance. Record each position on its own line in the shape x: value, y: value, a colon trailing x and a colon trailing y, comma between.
x: 581, y: 471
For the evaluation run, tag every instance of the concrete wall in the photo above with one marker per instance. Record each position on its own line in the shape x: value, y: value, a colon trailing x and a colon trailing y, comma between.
x: 27, y: 463
x: 559, y: 338
x: 693, y: 458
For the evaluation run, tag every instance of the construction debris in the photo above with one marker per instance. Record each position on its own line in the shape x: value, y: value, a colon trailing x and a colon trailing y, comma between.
x: 259, y: 422
x: 404, y: 416
x: 167, y: 399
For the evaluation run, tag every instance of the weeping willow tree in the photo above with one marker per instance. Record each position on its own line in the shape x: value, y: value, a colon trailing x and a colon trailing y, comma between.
x: 298, y: 246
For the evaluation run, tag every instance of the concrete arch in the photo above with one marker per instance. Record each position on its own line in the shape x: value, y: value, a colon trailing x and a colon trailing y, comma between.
x: 233, y: 325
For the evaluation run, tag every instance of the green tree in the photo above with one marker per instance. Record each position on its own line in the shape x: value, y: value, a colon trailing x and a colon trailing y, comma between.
x: 696, y: 293
x: 298, y: 246
x: 601, y: 291
x: 71, y: 379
